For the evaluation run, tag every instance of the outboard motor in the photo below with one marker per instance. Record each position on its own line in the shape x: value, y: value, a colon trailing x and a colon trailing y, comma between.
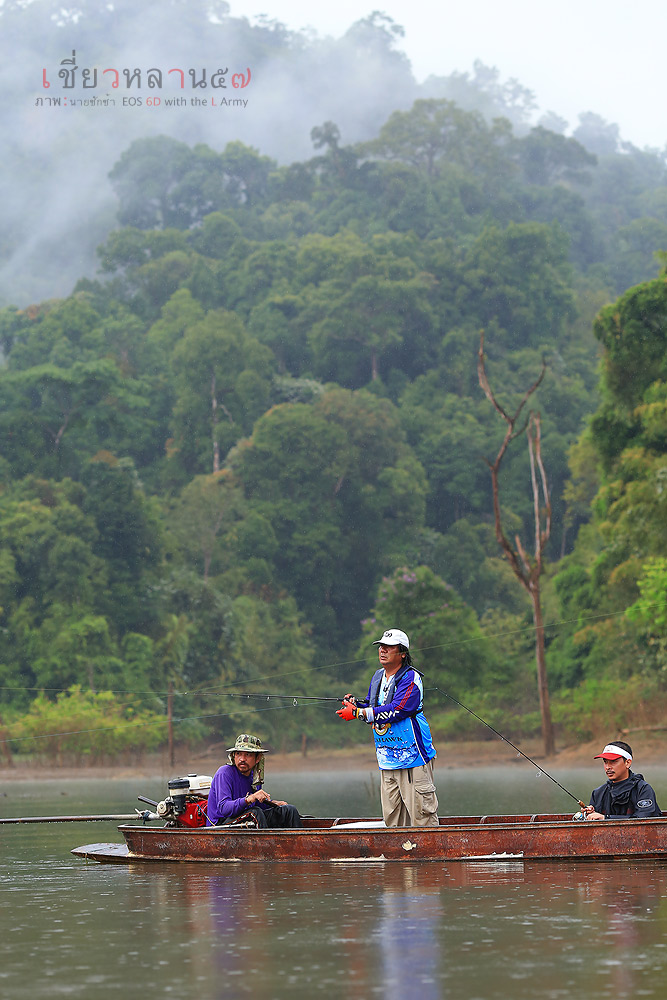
x: 186, y: 802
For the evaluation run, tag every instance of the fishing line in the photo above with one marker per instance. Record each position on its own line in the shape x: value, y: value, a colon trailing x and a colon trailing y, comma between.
x: 296, y: 698
x: 132, y: 725
x: 514, y: 747
x: 344, y: 663
x: 424, y: 649
x: 42, y: 687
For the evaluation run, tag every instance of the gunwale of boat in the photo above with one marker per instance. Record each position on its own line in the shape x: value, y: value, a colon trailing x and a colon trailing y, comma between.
x: 538, y: 837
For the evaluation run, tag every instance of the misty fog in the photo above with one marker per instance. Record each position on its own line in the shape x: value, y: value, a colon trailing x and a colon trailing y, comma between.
x: 57, y: 202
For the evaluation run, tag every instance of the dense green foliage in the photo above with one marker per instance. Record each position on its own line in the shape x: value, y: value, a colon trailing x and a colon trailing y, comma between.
x: 257, y: 438
x: 618, y: 562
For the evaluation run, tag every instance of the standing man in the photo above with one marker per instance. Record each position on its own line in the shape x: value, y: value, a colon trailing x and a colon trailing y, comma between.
x: 625, y: 795
x: 405, y: 751
x: 237, y: 788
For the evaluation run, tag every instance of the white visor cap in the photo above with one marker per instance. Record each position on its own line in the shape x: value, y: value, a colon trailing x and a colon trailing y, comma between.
x: 612, y: 752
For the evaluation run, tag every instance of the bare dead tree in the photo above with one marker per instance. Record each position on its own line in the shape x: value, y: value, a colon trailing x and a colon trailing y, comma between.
x: 215, y: 405
x: 527, y: 568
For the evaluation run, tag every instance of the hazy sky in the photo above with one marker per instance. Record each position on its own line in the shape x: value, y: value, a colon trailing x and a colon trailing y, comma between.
x: 605, y: 56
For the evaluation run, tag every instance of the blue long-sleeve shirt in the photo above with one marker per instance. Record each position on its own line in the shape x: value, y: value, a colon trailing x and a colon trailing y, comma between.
x: 402, y: 734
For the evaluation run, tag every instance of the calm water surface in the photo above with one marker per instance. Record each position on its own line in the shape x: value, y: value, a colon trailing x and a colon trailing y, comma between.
x: 473, y: 931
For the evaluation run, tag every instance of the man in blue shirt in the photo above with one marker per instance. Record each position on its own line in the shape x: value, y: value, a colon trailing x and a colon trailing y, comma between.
x: 403, y: 744
x: 237, y: 788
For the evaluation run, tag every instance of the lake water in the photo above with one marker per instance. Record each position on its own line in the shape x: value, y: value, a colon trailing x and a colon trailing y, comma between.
x: 465, y: 931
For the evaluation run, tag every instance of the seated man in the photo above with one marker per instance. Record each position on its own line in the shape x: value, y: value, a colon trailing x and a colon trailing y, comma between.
x: 625, y: 795
x: 237, y: 788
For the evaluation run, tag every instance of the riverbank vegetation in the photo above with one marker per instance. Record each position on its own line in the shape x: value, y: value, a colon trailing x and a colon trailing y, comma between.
x: 257, y: 438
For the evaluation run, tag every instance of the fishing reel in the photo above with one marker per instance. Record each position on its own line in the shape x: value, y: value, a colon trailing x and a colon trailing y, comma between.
x: 186, y: 802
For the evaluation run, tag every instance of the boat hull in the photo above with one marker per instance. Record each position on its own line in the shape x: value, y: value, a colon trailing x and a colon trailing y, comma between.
x: 455, y: 839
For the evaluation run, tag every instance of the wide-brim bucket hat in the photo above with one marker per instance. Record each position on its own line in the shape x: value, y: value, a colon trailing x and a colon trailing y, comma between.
x: 247, y: 744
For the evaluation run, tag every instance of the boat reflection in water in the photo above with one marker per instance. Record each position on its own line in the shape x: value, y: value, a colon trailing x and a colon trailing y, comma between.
x: 466, y: 929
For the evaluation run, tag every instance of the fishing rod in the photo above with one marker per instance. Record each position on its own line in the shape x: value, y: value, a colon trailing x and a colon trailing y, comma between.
x: 294, y: 698
x: 137, y: 814
x: 509, y: 743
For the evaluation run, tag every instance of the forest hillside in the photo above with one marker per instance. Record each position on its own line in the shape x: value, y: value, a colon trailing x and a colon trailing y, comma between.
x: 254, y: 436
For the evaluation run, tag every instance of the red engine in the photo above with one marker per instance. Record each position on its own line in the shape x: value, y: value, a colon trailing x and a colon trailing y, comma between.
x: 194, y: 815
x: 187, y: 800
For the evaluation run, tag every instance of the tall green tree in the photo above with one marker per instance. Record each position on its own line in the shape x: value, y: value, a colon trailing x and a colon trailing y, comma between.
x: 222, y: 378
x: 342, y: 493
x: 205, y: 511
x: 129, y: 540
x: 446, y: 642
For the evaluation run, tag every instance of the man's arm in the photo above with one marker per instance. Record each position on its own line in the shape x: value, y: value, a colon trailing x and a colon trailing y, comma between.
x: 593, y: 809
x: 228, y: 795
x: 406, y: 702
x: 360, y: 702
x: 646, y: 806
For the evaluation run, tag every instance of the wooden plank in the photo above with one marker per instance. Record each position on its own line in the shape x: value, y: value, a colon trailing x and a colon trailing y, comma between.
x: 102, y: 852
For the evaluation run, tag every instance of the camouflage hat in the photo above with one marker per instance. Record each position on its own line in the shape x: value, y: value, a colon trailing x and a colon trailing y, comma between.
x: 248, y: 744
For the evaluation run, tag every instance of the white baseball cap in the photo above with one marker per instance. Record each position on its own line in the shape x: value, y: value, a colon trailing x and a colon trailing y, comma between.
x: 393, y: 637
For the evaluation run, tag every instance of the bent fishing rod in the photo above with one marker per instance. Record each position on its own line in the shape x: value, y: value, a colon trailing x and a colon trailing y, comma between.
x: 313, y: 698
x: 514, y: 747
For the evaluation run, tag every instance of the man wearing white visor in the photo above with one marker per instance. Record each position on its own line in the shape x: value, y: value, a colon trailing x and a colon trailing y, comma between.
x: 625, y: 795
x: 403, y: 744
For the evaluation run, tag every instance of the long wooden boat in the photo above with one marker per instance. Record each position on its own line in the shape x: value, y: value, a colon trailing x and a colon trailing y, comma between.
x: 457, y: 838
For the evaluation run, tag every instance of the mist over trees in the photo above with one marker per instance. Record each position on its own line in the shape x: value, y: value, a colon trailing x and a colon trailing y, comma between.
x: 57, y: 204
x: 253, y: 435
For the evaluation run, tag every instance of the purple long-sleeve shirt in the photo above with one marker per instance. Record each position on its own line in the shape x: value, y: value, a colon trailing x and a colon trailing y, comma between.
x: 226, y: 798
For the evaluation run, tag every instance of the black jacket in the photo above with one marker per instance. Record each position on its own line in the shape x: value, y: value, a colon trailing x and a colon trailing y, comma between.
x: 632, y: 798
